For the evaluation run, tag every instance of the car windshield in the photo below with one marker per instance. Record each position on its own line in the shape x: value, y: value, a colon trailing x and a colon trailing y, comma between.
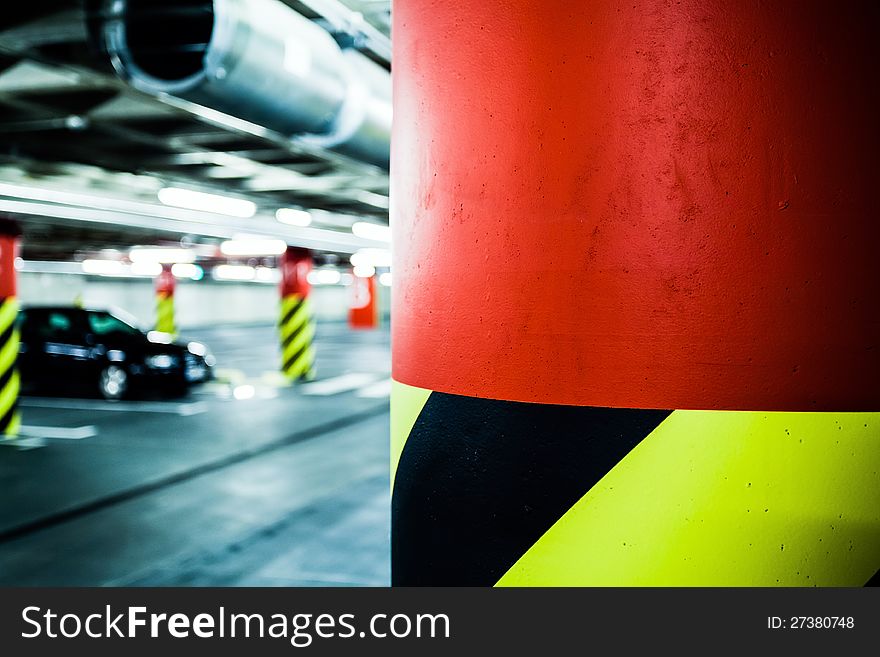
x: 104, y: 323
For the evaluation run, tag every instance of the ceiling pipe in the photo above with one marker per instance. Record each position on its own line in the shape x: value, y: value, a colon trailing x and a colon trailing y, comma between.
x: 258, y: 60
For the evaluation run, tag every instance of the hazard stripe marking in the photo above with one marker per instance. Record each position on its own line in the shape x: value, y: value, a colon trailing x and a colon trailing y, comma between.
x: 407, y: 403
x: 296, y: 331
x: 714, y: 498
x: 10, y: 419
x: 479, y: 481
x: 165, y: 313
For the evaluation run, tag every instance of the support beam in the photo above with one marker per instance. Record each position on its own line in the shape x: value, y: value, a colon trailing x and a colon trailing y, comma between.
x: 296, y: 324
x: 10, y: 420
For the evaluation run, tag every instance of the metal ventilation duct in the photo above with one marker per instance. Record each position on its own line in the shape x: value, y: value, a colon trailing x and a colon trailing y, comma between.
x: 258, y: 60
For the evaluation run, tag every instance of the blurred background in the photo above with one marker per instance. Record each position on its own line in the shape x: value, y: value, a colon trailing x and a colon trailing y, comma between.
x: 194, y: 209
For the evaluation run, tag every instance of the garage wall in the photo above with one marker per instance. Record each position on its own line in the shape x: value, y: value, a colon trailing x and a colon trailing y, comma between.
x: 199, y: 303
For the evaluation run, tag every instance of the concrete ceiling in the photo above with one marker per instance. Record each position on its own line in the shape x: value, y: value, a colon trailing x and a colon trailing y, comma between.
x: 68, y: 124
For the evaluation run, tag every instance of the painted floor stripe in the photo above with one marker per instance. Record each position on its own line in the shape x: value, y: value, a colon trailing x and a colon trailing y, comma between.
x: 338, y: 384
x: 170, y: 408
x: 376, y: 390
x: 23, y: 444
x: 58, y: 433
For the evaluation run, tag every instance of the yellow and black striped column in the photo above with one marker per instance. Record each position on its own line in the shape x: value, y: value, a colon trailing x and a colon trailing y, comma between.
x: 9, y: 338
x: 165, y: 285
x: 636, y: 335
x: 296, y: 326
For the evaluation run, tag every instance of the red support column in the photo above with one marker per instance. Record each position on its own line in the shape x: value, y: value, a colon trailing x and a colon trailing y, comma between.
x: 636, y: 293
x: 296, y: 327
x: 364, y: 310
x: 9, y: 338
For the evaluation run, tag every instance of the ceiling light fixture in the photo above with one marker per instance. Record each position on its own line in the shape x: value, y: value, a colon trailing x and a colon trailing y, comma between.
x: 148, y: 254
x: 375, y: 232
x: 192, y: 200
x: 253, y: 247
x: 293, y: 217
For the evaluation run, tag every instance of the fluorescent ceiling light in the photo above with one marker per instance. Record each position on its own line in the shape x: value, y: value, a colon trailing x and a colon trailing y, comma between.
x: 364, y: 271
x: 234, y: 273
x: 385, y: 279
x: 268, y: 275
x: 368, y: 231
x: 293, y: 217
x: 49, y: 266
x: 146, y: 268
x: 376, y: 200
x: 103, y: 267
x: 253, y: 247
x: 324, y: 277
x: 374, y: 257
x: 187, y: 270
x: 192, y: 200
x: 146, y: 254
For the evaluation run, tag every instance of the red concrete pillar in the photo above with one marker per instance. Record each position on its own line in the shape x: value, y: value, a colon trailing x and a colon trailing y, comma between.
x: 296, y: 327
x: 9, y: 338
x: 636, y: 293
x: 364, y: 310
x: 165, y: 285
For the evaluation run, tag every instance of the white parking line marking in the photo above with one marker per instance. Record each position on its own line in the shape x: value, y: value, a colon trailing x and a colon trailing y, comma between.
x: 337, y: 384
x: 376, y: 390
x: 171, y: 408
x: 58, y: 433
x: 23, y: 444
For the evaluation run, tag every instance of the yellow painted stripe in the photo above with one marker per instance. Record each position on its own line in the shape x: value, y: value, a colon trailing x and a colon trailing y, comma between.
x: 299, y: 318
x: 297, y: 343
x: 289, y: 302
x: 407, y: 403
x: 300, y: 326
x: 302, y: 366
x: 14, y: 426
x: 9, y: 394
x: 716, y: 498
x: 8, y: 312
x: 165, y: 314
x: 9, y: 352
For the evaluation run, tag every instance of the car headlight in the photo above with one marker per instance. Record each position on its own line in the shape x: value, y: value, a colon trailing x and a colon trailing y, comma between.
x: 160, y: 361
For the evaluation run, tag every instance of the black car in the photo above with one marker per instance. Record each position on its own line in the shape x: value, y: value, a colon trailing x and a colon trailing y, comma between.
x: 99, y: 351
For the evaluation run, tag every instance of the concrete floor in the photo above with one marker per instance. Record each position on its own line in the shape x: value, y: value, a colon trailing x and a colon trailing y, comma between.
x: 243, y: 482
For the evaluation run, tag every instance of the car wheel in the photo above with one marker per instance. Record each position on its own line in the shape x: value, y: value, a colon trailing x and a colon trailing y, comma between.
x: 113, y: 383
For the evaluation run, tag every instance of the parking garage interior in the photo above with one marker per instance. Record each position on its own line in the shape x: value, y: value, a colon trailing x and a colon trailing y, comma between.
x: 247, y: 476
x: 628, y: 334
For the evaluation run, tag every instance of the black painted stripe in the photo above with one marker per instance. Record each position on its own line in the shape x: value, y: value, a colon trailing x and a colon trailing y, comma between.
x: 290, y: 313
x: 7, y: 334
x: 290, y: 338
x: 875, y: 580
x: 480, y: 481
x: 6, y: 376
x: 6, y: 420
x: 292, y: 360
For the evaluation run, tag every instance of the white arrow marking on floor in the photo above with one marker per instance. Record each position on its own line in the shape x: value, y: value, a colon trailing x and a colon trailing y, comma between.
x: 377, y: 390
x: 337, y: 384
x: 59, y: 433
